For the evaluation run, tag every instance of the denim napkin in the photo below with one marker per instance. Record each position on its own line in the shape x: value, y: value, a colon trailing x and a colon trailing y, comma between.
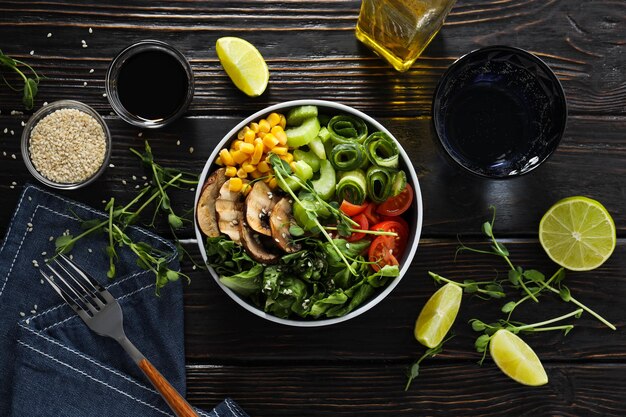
x: 51, y: 364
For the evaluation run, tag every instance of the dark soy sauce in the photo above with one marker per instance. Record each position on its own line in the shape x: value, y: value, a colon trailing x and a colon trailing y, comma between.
x: 152, y: 85
x: 487, y: 125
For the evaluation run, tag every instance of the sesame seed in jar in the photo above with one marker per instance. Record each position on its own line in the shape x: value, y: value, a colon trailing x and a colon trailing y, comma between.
x: 67, y: 146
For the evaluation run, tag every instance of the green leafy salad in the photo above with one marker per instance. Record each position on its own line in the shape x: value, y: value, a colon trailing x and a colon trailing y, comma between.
x: 303, y: 215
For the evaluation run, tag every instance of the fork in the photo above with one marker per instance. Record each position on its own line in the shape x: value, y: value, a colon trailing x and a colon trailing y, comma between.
x: 103, y: 314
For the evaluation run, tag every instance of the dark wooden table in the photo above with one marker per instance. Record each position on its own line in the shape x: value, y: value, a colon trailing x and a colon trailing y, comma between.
x: 357, y: 367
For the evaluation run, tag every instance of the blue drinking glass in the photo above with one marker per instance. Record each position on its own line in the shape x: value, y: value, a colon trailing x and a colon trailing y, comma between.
x: 499, y: 111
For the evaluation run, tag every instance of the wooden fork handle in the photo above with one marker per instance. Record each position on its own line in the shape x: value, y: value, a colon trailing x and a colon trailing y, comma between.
x: 177, y: 403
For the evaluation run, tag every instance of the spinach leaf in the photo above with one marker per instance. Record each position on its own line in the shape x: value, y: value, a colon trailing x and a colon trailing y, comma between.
x: 245, y: 283
x: 380, y: 278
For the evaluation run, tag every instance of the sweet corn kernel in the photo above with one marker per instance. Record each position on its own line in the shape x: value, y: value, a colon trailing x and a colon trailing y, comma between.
x: 283, y: 121
x: 264, y: 126
x: 239, y: 157
x: 292, y: 164
x: 246, y: 188
x: 280, y: 150
x: 255, y: 174
x: 254, y: 127
x: 281, y: 136
x: 261, y: 135
x: 236, y: 145
x: 248, y: 167
x: 273, y: 183
x: 257, y: 154
x: 226, y: 157
x: 287, y: 158
x: 268, y: 178
x: 235, y: 184
x: 230, y: 171
x: 270, y: 141
x: 273, y: 119
x: 247, y: 148
x: 263, y: 167
x: 249, y: 136
x: 241, y: 173
x: 240, y: 134
x: 218, y: 161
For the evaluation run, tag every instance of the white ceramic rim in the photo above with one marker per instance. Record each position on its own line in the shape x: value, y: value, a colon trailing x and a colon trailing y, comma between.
x: 408, y: 258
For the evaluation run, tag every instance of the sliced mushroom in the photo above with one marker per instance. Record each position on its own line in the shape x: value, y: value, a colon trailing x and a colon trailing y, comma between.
x: 229, y: 208
x: 253, y: 243
x: 259, y: 204
x: 205, y: 213
x: 280, y: 221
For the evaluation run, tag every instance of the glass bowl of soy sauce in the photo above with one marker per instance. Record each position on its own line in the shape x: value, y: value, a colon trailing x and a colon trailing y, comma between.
x: 499, y: 111
x: 150, y: 84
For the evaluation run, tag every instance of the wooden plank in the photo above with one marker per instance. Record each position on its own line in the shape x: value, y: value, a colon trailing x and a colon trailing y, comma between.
x: 463, y: 389
x: 311, y: 50
x: 219, y: 330
x: 589, y: 161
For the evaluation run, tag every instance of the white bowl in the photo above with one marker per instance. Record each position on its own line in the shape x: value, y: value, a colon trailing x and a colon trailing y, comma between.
x: 415, y: 211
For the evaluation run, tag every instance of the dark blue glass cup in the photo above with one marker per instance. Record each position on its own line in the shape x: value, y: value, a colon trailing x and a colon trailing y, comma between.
x: 499, y: 111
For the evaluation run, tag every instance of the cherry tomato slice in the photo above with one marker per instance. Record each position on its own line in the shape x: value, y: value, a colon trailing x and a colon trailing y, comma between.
x: 380, y: 252
x: 370, y: 213
x: 397, y: 205
x: 352, y: 209
x: 363, y: 224
x: 398, y: 244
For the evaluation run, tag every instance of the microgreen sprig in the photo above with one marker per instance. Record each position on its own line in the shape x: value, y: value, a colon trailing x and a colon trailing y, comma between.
x: 31, y: 84
x: 121, y: 217
x: 531, y: 281
x: 413, y: 370
x: 483, y: 289
x: 482, y: 342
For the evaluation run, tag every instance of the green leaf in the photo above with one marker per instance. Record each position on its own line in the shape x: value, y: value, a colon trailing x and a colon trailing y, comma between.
x: 478, y: 326
x: 508, y: 307
x: 64, y: 244
x: 487, y: 229
x: 514, y: 277
x: 88, y: 224
x: 111, y: 271
x: 296, y: 231
x: 165, y: 202
x: 565, y: 294
x: 29, y: 92
x: 482, y: 342
x: 246, y: 282
x: 7, y: 60
x: 534, y: 275
x: 175, y: 221
x: 172, y: 275
x: 500, y: 249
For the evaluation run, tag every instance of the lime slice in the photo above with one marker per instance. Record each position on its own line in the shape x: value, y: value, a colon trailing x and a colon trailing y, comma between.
x: 516, y: 359
x: 438, y: 314
x: 244, y: 65
x: 578, y: 233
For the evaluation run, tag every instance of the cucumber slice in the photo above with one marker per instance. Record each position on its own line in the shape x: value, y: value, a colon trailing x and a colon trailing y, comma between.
x: 324, y: 134
x: 303, y: 170
x: 303, y: 134
x: 399, y: 182
x: 317, y: 147
x: 297, y: 115
x: 308, y: 157
x: 325, y: 185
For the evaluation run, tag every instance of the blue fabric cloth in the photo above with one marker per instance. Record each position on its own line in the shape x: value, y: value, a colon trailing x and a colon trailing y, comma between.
x: 51, y: 364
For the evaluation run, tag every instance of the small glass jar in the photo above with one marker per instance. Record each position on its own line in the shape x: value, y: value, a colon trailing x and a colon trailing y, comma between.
x: 400, y: 30
x: 47, y: 110
x: 112, y: 85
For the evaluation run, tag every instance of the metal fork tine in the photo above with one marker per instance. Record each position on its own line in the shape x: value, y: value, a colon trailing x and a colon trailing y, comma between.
x: 84, y: 301
x: 96, y: 287
x: 91, y: 295
x: 65, y: 296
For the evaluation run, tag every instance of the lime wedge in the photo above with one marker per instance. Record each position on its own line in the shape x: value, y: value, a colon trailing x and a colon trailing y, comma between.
x: 244, y: 65
x: 578, y: 233
x: 516, y: 359
x: 438, y: 315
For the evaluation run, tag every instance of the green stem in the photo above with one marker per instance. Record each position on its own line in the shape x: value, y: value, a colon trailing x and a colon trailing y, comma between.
x: 543, y: 323
x: 460, y: 284
x: 319, y: 225
x: 367, y: 232
x: 584, y: 307
x: 543, y: 286
x: 549, y: 329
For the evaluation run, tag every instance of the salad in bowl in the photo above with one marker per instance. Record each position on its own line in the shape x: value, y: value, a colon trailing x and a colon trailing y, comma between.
x: 309, y: 214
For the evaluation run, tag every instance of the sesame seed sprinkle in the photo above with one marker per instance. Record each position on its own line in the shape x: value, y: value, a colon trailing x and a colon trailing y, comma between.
x: 32, y: 52
x: 91, y: 71
x: 49, y: 35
